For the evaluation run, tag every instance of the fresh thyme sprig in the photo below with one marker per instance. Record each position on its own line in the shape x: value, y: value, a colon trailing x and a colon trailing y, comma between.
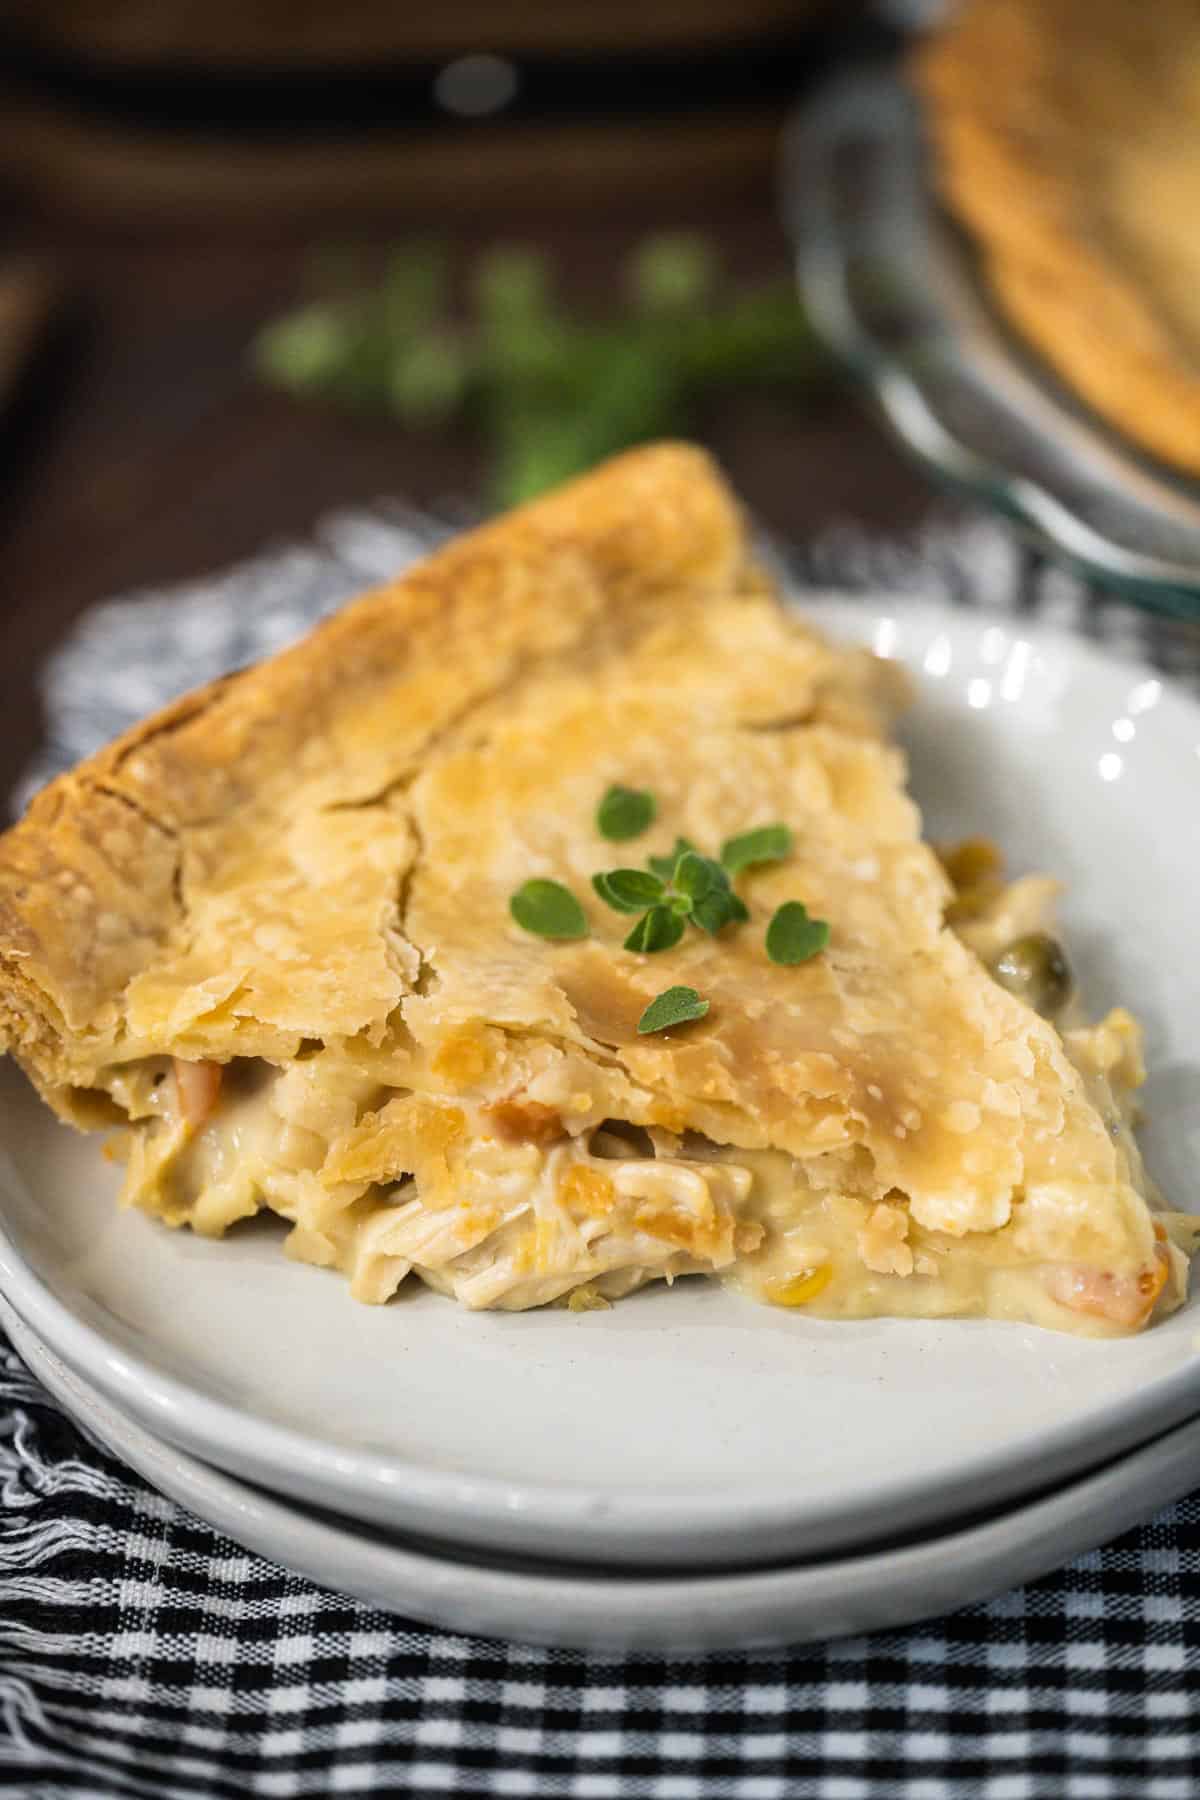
x: 551, y: 392
x: 696, y: 889
x: 684, y: 887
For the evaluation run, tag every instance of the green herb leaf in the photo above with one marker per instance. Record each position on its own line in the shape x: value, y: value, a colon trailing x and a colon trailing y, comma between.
x: 719, y: 908
x: 512, y: 283
x: 550, y: 391
x: 768, y: 843
x: 628, y: 890
x: 705, y: 883
x: 792, y: 937
x: 304, y: 349
x: 549, y: 910
x: 659, y: 929
x: 666, y: 865
x: 428, y: 379
x: 696, y: 875
x: 676, y: 1006
x: 625, y: 813
x: 414, y: 291
x: 673, y: 273
x: 711, y: 913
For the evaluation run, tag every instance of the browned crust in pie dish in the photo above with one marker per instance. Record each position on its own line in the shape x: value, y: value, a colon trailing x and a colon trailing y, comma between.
x: 1066, y: 139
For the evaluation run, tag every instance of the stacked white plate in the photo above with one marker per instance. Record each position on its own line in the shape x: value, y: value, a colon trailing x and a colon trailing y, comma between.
x: 687, y: 1470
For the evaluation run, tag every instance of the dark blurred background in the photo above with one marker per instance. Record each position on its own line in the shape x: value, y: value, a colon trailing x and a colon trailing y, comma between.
x: 262, y: 260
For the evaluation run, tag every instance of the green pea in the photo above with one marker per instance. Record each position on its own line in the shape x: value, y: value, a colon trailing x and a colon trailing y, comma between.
x: 1035, y: 969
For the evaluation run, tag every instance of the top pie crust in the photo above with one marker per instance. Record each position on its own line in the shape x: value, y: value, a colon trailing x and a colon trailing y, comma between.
x: 303, y: 872
x: 234, y: 875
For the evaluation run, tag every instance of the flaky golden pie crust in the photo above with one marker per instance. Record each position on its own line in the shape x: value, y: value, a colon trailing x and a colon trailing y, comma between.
x: 1066, y: 139
x: 235, y: 875
x: 302, y: 874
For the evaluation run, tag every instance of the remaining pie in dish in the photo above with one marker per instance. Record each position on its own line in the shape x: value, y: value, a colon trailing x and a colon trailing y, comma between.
x: 1066, y: 138
x: 286, y: 935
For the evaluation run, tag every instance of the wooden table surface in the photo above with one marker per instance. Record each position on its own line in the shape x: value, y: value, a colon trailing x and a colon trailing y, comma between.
x: 141, y: 451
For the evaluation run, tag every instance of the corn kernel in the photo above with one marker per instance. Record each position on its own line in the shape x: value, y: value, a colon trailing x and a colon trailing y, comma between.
x: 798, y: 1290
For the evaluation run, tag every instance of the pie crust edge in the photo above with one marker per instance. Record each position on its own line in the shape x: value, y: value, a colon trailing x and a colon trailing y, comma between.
x: 90, y: 876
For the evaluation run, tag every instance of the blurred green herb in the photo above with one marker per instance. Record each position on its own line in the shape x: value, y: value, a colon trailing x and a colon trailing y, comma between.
x: 552, y: 392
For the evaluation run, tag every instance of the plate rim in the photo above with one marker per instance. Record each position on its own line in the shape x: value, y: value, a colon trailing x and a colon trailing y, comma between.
x: 624, y: 1612
x: 627, y: 1526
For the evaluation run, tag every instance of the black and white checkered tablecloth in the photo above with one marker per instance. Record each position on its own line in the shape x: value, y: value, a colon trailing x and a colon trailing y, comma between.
x: 142, y: 1654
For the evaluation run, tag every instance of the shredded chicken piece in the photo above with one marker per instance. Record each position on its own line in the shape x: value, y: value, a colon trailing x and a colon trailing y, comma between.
x: 198, y: 1088
x: 881, y: 1244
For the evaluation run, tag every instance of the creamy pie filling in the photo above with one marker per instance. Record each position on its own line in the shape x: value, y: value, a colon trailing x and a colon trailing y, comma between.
x: 512, y: 1208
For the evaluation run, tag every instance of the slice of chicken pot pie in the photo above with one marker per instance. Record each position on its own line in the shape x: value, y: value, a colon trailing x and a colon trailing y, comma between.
x: 555, y: 920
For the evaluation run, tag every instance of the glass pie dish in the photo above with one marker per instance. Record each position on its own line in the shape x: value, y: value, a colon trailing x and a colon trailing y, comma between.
x: 892, y: 290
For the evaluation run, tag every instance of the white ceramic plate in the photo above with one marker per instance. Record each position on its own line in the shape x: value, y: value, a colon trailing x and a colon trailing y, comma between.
x: 691, y: 1427
x: 689, y: 1613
